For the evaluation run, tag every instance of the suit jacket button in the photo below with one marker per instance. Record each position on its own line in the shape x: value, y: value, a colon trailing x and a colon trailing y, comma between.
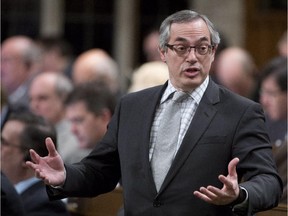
x: 157, y: 203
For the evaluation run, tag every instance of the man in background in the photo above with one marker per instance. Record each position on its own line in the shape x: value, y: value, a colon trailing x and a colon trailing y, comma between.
x: 96, y: 65
x: 20, y: 61
x: 48, y: 92
x: 89, y: 108
x: 22, y: 132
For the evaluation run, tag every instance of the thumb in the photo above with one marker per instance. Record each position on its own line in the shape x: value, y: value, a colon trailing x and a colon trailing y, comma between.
x: 232, y: 167
x: 51, y: 147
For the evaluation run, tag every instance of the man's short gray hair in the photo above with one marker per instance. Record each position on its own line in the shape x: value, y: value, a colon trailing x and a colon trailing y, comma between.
x: 185, y: 16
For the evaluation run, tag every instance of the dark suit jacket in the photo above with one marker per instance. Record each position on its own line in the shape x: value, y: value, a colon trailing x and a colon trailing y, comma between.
x: 37, y: 203
x: 224, y: 126
x: 11, y: 203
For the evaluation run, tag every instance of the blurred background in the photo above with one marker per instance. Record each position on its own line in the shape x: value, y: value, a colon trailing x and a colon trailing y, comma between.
x: 119, y: 26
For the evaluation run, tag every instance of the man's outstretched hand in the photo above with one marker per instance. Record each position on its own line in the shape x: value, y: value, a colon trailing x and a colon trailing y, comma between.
x: 228, y: 193
x: 49, y: 168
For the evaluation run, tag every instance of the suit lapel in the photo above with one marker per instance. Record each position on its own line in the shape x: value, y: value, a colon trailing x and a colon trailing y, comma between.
x: 201, y: 120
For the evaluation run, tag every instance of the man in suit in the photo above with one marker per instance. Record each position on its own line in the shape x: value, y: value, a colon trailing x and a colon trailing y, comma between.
x: 22, y: 132
x: 222, y: 163
x: 89, y: 108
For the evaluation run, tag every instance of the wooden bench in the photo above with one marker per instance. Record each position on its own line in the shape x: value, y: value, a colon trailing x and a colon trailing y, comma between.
x: 280, y: 210
x: 103, y: 205
x: 110, y: 203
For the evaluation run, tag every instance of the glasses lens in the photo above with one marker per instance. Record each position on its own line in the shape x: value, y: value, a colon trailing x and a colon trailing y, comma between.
x: 202, y: 50
x: 181, y: 49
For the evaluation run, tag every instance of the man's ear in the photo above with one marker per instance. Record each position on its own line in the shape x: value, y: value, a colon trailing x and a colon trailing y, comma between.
x: 106, y: 115
x: 214, y: 52
x: 214, y: 49
x: 162, y: 54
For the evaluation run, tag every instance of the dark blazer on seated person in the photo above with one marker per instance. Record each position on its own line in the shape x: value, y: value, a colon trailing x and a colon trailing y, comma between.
x: 11, y: 203
x: 224, y: 126
x: 37, y: 203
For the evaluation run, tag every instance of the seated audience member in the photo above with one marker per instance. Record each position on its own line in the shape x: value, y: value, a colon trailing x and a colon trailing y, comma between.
x: 150, y: 46
x: 89, y: 108
x: 47, y: 92
x: 96, y: 65
x: 149, y: 74
x: 236, y: 70
x: 22, y: 132
x: 11, y: 203
x: 273, y: 97
x: 57, y: 55
x: 19, y: 63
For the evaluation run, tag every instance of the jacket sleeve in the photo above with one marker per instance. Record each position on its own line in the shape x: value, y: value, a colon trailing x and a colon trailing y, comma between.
x: 256, y: 170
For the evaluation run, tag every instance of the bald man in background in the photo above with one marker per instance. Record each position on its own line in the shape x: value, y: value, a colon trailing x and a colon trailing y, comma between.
x: 47, y: 93
x: 96, y: 65
x: 236, y: 70
x: 20, y: 61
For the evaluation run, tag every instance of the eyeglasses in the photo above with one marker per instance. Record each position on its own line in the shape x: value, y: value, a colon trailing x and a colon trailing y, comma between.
x: 183, y: 50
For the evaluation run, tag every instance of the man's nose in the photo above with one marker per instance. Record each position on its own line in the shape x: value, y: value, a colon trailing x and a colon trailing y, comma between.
x: 191, y: 56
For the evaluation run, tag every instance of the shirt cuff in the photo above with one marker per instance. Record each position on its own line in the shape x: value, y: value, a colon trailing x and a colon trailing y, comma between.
x: 242, y: 201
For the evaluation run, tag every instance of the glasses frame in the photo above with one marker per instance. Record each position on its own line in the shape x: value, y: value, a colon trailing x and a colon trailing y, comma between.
x: 189, y: 48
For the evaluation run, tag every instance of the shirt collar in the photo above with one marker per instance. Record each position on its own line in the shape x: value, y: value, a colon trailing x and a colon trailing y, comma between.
x: 196, y: 94
x: 23, y: 185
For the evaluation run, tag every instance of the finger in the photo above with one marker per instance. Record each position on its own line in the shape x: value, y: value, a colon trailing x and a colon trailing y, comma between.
x: 231, y: 185
x: 34, y: 156
x: 202, y: 196
x: 31, y: 165
x: 51, y: 147
x: 208, y: 193
x: 226, y: 181
x: 214, y: 192
x: 232, y: 167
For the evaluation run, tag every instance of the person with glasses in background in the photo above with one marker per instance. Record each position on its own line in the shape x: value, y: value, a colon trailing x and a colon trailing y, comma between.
x: 21, y: 132
x: 273, y: 97
x: 188, y: 147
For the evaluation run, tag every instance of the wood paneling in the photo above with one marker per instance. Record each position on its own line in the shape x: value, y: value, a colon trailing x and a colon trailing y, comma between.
x: 102, y: 205
x: 265, y: 24
x: 280, y: 210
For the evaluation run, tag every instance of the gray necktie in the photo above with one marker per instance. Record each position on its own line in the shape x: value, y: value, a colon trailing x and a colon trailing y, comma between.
x: 167, y: 138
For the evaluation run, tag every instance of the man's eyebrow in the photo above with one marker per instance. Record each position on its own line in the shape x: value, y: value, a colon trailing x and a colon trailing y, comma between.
x: 181, y: 39
x: 203, y: 39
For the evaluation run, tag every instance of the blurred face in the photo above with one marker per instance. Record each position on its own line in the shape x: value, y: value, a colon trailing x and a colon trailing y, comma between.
x: 13, y: 68
x: 87, y: 127
x: 188, y: 71
x: 231, y: 73
x: 86, y: 66
x: 44, y: 101
x: 274, y: 100
x: 12, y: 157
